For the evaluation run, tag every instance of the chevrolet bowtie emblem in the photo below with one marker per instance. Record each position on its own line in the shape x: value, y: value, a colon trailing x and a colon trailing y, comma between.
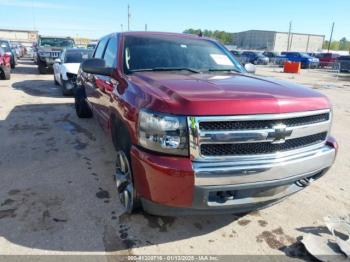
x: 279, y: 134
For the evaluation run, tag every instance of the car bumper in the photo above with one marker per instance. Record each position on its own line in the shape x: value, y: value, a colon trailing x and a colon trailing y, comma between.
x: 181, y: 187
x: 47, y: 61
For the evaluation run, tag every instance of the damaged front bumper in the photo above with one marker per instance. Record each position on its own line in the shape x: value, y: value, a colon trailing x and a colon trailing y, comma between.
x: 236, y: 187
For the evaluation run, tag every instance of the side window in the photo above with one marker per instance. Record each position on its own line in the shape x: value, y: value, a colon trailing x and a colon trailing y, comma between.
x: 100, y: 48
x: 111, y: 53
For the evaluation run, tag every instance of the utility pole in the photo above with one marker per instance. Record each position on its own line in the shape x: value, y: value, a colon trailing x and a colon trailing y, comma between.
x: 330, y: 38
x: 146, y: 27
x: 121, y: 27
x: 129, y: 16
x: 289, y: 33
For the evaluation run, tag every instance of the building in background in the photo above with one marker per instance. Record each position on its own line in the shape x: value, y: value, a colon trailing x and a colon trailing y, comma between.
x: 278, y: 41
x: 26, y: 37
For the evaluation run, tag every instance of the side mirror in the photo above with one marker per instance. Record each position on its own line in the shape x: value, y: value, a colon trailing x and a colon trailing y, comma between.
x: 96, y: 66
x: 250, y: 68
x: 58, y: 61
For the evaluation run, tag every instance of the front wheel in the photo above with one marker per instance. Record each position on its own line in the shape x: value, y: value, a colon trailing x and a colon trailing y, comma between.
x: 124, y: 183
x: 81, y: 106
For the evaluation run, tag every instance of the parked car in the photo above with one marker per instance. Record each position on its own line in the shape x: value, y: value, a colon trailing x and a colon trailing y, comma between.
x: 66, y: 68
x: 195, y: 133
x: 344, y: 63
x: 271, y: 55
x: 238, y: 55
x: 327, y: 59
x: 17, y: 49
x: 5, y: 65
x: 5, y: 44
x: 305, y: 59
x: 48, y: 49
x: 92, y: 45
x: 256, y: 58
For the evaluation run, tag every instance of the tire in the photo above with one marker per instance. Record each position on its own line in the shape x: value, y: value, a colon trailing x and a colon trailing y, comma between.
x: 5, y: 74
x: 41, y: 68
x: 82, y: 108
x: 123, y: 176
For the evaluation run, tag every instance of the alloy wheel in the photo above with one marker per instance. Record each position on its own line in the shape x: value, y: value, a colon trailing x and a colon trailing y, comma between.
x: 123, y: 178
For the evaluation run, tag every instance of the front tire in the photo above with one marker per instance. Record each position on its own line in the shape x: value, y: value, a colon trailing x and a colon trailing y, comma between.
x: 82, y: 108
x: 124, y: 183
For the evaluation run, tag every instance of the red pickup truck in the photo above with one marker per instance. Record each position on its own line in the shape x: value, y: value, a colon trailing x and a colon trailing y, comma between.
x: 195, y: 133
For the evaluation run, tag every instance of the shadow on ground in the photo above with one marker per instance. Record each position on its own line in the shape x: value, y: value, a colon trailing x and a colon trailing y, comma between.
x: 57, y: 190
x: 25, y: 66
x: 43, y: 88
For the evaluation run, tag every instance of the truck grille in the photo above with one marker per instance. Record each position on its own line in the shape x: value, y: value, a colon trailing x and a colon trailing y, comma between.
x: 263, y: 124
x: 55, y: 54
x: 235, y: 136
x: 260, y: 148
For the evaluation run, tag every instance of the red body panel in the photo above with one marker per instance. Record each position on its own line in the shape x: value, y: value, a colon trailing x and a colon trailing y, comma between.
x: 164, y: 180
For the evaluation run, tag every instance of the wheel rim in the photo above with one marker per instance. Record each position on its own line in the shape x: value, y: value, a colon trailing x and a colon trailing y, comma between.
x: 124, y: 184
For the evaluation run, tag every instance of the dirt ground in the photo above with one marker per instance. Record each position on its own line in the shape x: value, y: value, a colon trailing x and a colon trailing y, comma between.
x: 57, y: 194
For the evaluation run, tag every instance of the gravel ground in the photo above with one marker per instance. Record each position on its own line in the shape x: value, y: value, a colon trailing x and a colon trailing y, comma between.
x: 57, y: 195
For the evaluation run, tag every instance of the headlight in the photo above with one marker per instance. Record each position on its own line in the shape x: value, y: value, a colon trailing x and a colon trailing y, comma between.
x: 44, y: 54
x: 163, y: 133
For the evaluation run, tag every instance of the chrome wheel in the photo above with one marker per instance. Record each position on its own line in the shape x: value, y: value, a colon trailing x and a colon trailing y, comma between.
x: 123, y: 178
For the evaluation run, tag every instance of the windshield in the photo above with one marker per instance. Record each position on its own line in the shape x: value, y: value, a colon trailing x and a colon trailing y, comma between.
x: 57, y: 42
x: 170, y: 52
x: 78, y: 56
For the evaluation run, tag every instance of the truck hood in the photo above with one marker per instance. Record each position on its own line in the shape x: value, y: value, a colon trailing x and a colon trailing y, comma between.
x: 223, y: 94
x: 72, y: 68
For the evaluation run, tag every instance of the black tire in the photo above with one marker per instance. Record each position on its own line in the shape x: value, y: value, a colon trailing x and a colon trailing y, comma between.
x: 5, y: 74
x: 42, y: 68
x: 122, y: 143
x: 82, y: 108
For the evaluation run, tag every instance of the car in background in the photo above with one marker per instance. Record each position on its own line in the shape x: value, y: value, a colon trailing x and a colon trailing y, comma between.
x: 48, y: 49
x: 344, y: 63
x: 92, y: 45
x: 327, y: 59
x: 305, y: 59
x: 271, y: 55
x: 17, y: 49
x: 238, y: 55
x: 66, y: 67
x: 5, y: 65
x: 5, y: 44
x: 256, y: 58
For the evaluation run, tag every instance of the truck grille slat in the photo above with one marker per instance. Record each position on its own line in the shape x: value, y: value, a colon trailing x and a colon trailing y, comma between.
x: 260, y: 148
x: 262, y: 124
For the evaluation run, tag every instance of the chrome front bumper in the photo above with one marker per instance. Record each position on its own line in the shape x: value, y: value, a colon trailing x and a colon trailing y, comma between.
x: 253, y: 184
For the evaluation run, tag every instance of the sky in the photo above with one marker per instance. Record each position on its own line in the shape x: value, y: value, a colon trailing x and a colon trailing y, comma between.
x: 93, y: 19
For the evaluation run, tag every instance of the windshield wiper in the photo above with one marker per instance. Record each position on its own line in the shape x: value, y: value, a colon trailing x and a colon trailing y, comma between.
x: 223, y: 70
x: 167, y: 69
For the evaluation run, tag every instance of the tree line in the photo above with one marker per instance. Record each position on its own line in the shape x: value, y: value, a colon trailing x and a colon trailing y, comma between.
x: 343, y: 45
x: 224, y: 37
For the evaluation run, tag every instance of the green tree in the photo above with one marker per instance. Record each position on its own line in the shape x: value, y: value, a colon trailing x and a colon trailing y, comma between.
x: 222, y: 36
